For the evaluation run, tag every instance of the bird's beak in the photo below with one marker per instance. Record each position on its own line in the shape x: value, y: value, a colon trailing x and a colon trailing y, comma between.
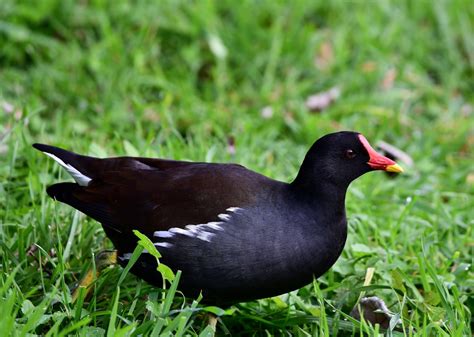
x: 377, y: 161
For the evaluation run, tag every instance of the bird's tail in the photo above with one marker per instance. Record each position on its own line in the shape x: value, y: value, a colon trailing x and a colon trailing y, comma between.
x: 79, y: 167
x: 78, y: 195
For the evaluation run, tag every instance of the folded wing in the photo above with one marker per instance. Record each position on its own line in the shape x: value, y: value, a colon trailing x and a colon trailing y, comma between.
x: 150, y: 195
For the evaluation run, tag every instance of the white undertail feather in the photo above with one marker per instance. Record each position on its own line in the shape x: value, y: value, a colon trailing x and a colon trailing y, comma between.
x: 80, y: 178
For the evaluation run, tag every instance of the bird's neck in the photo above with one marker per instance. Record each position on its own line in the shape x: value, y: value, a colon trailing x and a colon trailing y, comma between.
x: 323, y: 204
x: 326, y: 224
x: 321, y: 191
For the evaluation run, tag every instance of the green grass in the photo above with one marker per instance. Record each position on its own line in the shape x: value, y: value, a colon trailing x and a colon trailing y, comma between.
x: 179, y: 79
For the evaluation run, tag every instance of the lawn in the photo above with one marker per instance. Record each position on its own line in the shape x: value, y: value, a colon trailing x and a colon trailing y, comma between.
x: 228, y: 81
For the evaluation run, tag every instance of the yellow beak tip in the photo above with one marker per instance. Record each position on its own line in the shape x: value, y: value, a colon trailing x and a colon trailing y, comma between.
x: 394, y: 168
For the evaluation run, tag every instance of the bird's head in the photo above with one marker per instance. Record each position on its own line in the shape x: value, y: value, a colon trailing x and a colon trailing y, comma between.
x: 341, y: 157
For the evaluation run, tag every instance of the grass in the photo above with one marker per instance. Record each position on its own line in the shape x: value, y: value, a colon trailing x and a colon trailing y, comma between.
x: 182, y: 79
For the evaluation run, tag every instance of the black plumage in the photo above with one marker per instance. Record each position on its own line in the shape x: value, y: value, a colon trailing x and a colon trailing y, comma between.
x: 236, y: 235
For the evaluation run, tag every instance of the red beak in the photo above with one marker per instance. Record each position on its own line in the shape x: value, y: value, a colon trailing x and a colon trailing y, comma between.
x: 377, y: 161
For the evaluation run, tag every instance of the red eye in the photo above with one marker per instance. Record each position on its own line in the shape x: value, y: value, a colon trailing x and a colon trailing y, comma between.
x: 350, y: 154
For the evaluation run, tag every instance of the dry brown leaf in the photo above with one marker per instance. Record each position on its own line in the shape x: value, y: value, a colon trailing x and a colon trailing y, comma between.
x: 395, y: 153
x: 32, y: 250
x: 373, y: 310
x: 322, y: 100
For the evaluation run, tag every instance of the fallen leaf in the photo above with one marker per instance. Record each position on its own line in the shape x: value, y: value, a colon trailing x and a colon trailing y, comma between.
x: 322, y: 100
x: 31, y: 250
x: 395, y: 153
x: 373, y: 310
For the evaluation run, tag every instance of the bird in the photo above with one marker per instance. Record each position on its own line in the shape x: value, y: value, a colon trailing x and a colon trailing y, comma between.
x: 234, y: 234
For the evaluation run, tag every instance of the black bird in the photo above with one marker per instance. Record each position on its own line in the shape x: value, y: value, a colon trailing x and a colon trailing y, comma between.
x: 236, y: 235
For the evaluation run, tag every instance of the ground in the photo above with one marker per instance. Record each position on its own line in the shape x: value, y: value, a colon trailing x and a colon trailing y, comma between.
x: 228, y: 81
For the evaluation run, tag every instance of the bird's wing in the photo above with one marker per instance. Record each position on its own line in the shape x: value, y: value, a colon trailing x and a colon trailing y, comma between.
x: 151, y: 194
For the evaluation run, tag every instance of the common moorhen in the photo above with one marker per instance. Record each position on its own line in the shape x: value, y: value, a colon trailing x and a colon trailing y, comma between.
x: 236, y: 235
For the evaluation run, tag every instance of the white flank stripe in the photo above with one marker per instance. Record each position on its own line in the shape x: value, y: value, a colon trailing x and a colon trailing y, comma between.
x: 233, y: 209
x: 163, y: 244
x: 215, y: 225
x: 80, y: 178
x: 224, y: 217
x: 192, y: 228
x: 181, y: 231
x: 203, y: 232
x: 163, y: 234
x: 205, y: 236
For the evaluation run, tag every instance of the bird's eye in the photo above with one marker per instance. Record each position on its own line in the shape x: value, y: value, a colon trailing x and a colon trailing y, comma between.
x: 350, y: 154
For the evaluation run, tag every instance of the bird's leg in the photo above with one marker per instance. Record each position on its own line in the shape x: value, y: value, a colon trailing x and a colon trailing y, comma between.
x: 212, y: 321
x: 103, y: 260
